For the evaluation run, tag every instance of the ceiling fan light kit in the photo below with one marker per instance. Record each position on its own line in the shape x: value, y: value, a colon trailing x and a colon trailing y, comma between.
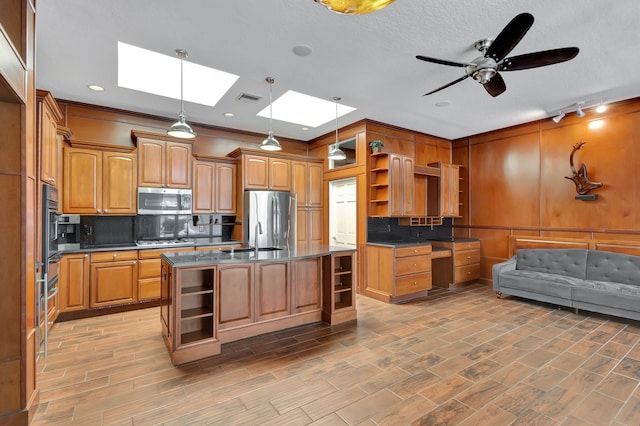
x: 354, y: 7
x: 486, y: 69
x: 180, y: 129
x: 270, y: 143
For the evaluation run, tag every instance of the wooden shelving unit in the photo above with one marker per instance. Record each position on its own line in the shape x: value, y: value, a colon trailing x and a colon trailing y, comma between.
x: 339, y: 303
x: 379, y: 185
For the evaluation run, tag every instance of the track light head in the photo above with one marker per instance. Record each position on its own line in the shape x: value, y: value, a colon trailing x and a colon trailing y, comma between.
x: 579, y: 112
x: 558, y: 117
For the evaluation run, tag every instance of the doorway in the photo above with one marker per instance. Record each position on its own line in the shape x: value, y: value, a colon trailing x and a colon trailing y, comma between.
x: 342, y: 213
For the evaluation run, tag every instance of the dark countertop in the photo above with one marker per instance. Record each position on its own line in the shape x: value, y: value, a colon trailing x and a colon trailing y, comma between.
x: 199, y: 242
x: 214, y: 257
x: 399, y: 243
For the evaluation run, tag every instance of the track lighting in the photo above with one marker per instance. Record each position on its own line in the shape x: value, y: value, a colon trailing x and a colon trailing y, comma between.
x: 180, y: 129
x: 579, y: 112
x: 335, y: 153
x: 558, y: 117
x: 270, y: 143
x: 601, y: 108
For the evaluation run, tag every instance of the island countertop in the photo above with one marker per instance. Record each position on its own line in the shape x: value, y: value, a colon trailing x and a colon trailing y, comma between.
x: 214, y: 257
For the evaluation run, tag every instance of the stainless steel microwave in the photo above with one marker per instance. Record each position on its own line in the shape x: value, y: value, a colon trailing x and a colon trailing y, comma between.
x: 164, y: 201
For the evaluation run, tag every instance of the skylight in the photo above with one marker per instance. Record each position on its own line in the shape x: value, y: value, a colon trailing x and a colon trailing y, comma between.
x: 298, y: 108
x: 151, y: 72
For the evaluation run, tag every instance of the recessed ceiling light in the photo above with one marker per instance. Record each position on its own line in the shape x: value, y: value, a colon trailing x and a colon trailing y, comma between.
x: 443, y: 104
x: 304, y: 129
x: 151, y: 72
x: 229, y: 114
x: 95, y: 87
x: 302, y: 50
x: 309, y: 111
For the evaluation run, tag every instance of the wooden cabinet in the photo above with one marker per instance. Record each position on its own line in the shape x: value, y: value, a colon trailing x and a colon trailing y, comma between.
x: 305, y: 288
x: 272, y: 290
x: 391, y: 185
x: 463, y: 265
x: 187, y: 311
x: 73, y: 282
x: 266, y: 173
x: 396, y: 274
x: 114, y: 277
x: 307, y: 184
x: 338, y: 292
x: 236, y: 296
x: 163, y: 161
x: 214, y: 187
x: 48, y: 115
x: 443, y: 192
x: 149, y: 272
x: 99, y: 182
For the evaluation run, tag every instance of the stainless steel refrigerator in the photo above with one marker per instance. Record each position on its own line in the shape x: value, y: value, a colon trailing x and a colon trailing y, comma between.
x: 271, y: 215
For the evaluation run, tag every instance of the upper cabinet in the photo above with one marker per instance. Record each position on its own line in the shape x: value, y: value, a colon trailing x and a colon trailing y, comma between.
x: 259, y: 172
x: 214, y: 186
x: 48, y: 116
x: 391, y: 185
x: 307, y: 183
x: 443, y: 193
x: 99, y: 182
x: 163, y: 162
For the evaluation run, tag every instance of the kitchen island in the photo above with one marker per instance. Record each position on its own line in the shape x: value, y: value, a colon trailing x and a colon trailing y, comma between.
x: 213, y: 297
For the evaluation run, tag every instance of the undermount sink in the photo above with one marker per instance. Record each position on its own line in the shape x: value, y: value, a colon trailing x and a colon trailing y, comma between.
x: 249, y: 249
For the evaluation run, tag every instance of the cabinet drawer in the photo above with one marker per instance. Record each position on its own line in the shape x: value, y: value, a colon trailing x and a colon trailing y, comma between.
x: 149, y: 289
x: 155, y: 253
x: 112, y: 256
x: 413, y: 265
x: 467, y: 246
x: 467, y: 257
x: 149, y: 268
x: 467, y: 273
x: 413, y: 250
x: 413, y: 283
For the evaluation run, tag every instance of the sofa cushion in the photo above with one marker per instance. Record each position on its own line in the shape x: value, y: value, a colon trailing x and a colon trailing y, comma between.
x: 613, y: 267
x: 539, y: 282
x: 567, y: 262
x: 616, y: 295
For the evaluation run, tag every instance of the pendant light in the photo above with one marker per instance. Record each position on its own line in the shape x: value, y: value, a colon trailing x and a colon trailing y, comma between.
x: 270, y: 143
x: 180, y: 129
x: 354, y: 7
x: 335, y: 153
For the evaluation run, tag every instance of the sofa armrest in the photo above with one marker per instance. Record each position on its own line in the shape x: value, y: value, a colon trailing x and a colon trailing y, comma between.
x: 499, y: 268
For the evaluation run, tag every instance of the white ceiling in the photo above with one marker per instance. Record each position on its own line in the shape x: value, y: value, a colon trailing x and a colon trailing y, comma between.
x: 369, y: 60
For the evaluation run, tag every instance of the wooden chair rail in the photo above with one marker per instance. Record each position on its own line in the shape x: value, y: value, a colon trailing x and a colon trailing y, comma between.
x: 627, y: 247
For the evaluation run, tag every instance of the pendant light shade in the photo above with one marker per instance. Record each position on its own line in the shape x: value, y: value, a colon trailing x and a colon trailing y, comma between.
x: 270, y: 143
x: 335, y: 153
x: 354, y: 7
x: 180, y: 129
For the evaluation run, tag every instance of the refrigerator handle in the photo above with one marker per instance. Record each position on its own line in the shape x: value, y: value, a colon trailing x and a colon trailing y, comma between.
x: 276, y: 221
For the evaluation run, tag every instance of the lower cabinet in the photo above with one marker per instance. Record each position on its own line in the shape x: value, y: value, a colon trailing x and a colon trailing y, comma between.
x: 306, y: 285
x: 235, y: 303
x: 397, y: 274
x: 73, y: 286
x: 272, y: 285
x: 114, y: 278
x: 461, y: 267
x: 149, y: 272
x: 339, y: 296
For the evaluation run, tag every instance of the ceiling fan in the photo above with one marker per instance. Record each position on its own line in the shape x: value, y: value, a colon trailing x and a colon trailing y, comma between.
x: 485, y: 69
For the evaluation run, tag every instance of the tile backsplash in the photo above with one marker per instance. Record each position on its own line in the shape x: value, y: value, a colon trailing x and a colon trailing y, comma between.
x: 380, y: 229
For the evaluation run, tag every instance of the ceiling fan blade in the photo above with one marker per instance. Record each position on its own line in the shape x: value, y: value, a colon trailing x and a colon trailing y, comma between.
x: 447, y: 85
x: 510, y: 36
x: 538, y: 59
x: 443, y: 62
x: 495, y: 86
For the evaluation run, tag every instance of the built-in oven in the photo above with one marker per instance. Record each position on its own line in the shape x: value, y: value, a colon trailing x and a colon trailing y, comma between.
x: 48, y: 281
x: 164, y: 201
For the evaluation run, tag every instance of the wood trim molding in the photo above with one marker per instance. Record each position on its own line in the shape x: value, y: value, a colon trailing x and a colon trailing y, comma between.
x: 278, y: 154
x: 65, y: 132
x: 202, y: 157
x: 627, y: 247
x: 101, y: 146
x: 141, y: 134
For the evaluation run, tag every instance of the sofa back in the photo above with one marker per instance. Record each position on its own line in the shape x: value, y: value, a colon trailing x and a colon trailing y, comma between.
x: 613, y: 267
x: 568, y: 262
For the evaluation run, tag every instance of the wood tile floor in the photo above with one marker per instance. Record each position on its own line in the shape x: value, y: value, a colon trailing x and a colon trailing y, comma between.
x: 457, y: 357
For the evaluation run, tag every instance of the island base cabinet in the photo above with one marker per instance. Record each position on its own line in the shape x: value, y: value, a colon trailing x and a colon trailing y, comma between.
x: 338, y: 292
x: 306, y: 285
x: 235, y: 303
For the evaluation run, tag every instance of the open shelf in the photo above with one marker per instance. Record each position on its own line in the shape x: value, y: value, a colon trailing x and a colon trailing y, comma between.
x: 202, y: 311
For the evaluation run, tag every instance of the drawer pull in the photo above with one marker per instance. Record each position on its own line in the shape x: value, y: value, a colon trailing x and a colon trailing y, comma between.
x: 468, y: 257
x: 468, y: 272
x: 415, y: 283
x: 415, y: 251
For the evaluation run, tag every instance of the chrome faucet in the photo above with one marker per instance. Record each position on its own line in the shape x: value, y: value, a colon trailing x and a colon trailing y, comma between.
x: 258, y: 230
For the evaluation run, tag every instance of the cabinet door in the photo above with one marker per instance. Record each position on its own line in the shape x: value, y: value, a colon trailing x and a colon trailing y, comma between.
x: 314, y: 225
x: 203, y: 184
x: 315, y: 185
x: 255, y: 170
x: 113, y: 283
x: 396, y: 177
x: 302, y: 233
x: 299, y: 182
x: 119, y: 179
x: 49, y: 148
x: 73, y: 282
x: 408, y: 187
x: 305, y: 285
x: 82, y: 181
x: 225, y: 188
x: 450, y: 187
x: 279, y: 174
x: 151, y: 160
x: 178, y: 165
x: 235, y: 301
x: 272, y: 290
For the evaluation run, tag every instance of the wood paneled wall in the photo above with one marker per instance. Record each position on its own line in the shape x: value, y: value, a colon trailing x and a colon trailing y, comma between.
x: 516, y: 181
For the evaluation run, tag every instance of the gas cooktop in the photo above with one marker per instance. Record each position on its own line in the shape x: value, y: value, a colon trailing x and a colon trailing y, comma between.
x: 163, y: 243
